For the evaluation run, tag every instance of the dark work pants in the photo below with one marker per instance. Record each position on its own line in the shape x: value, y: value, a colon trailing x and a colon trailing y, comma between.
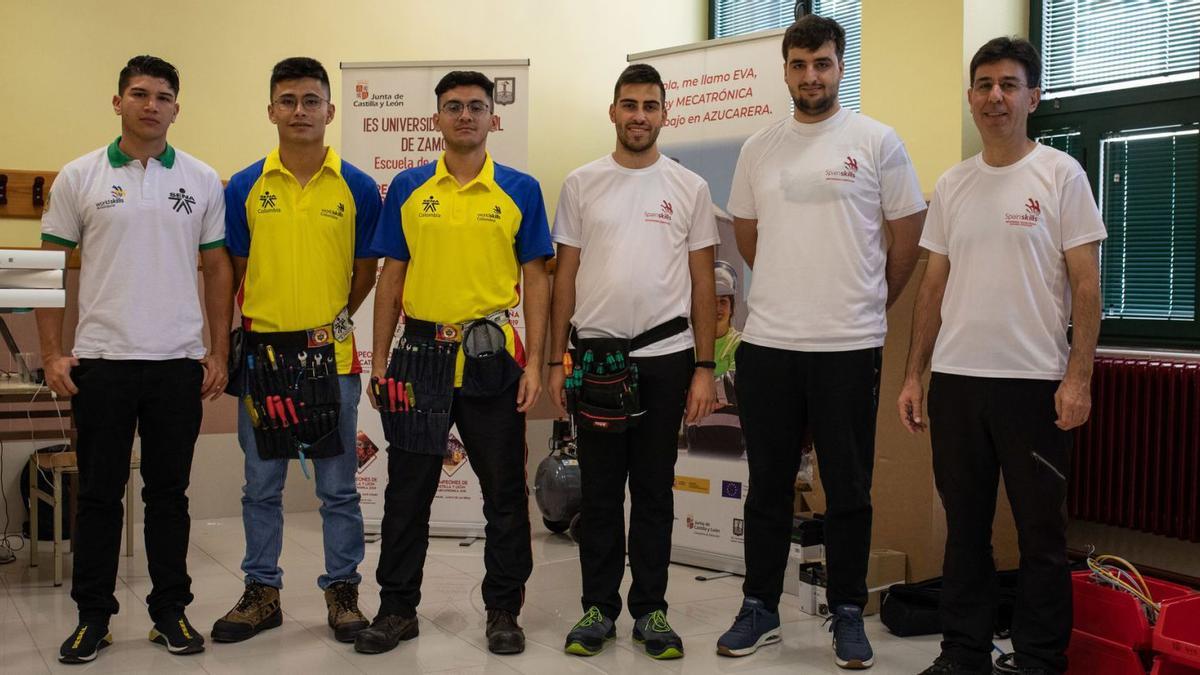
x: 982, y: 428
x: 161, y: 400
x: 835, y: 396
x: 493, y: 433
x: 645, y: 455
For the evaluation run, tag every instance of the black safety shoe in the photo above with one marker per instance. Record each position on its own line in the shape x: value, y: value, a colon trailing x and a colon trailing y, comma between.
x: 653, y: 632
x: 385, y: 633
x: 84, y: 643
x: 588, y: 635
x: 178, y: 635
x: 504, y: 636
x: 944, y: 665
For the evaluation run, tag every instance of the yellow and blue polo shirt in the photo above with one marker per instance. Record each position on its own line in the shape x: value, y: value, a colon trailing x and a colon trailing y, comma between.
x: 464, y: 244
x: 300, y: 243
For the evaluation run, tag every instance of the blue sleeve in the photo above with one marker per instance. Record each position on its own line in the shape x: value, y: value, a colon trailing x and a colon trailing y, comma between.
x: 389, y: 231
x: 533, y: 235
x: 237, y: 191
x: 366, y: 209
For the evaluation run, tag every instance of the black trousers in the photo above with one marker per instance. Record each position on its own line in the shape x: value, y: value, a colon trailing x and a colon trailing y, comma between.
x: 493, y: 433
x: 645, y: 456
x: 161, y: 400
x: 982, y: 428
x: 835, y: 396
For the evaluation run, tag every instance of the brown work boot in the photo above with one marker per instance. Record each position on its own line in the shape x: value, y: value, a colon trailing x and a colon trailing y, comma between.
x: 344, y: 618
x: 257, y: 610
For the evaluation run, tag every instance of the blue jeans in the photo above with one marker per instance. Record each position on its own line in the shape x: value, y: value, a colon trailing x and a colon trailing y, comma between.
x: 341, y: 518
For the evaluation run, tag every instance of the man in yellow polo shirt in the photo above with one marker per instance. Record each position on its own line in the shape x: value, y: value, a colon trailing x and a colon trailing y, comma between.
x: 462, y: 237
x: 299, y: 224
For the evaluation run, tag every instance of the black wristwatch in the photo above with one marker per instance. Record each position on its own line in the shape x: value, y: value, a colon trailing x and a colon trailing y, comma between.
x: 711, y: 365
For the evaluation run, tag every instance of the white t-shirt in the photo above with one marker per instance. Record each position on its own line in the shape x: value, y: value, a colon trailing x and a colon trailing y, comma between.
x: 141, y: 230
x: 1008, y: 298
x: 820, y: 193
x: 634, y: 229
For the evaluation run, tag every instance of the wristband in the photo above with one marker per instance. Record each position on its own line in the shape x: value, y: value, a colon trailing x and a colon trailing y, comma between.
x: 711, y: 365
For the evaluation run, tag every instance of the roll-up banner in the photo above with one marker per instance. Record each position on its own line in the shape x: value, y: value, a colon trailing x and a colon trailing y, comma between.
x: 387, y: 126
x: 718, y: 93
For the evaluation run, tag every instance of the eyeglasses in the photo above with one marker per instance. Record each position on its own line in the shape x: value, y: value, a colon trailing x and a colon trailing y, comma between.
x: 476, y: 108
x: 985, y: 87
x: 311, y: 102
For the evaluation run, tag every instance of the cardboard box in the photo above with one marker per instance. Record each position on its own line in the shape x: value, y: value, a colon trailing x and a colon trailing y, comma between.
x: 808, y: 538
x: 806, y: 580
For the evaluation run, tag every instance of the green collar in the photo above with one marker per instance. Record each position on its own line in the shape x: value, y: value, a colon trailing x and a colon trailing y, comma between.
x: 118, y: 158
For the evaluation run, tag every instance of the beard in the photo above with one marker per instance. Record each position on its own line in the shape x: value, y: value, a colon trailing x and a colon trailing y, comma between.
x: 815, y: 107
x: 626, y: 142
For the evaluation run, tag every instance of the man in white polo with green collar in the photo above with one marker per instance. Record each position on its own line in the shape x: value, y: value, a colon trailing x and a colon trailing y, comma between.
x: 143, y: 214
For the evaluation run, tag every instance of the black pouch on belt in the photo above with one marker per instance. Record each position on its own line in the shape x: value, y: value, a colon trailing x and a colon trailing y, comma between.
x: 292, y: 396
x: 417, y: 391
x: 608, y: 398
x: 488, y: 368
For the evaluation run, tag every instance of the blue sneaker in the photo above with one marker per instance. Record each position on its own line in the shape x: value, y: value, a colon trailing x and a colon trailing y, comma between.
x: 851, y: 649
x: 754, y: 627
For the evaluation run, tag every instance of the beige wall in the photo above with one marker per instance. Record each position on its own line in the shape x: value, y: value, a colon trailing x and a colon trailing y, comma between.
x: 62, y: 58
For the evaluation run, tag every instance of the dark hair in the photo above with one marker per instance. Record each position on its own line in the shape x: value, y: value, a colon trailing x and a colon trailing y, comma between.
x: 811, y: 32
x: 639, y: 73
x: 150, y: 66
x: 1015, y: 48
x: 463, y: 78
x: 298, y: 68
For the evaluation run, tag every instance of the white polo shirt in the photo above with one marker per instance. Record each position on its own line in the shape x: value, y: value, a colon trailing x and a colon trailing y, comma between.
x: 634, y: 229
x: 1005, y: 230
x: 141, y: 230
x: 820, y: 193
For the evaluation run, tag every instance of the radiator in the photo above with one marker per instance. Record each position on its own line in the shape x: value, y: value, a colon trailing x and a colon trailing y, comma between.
x: 1136, y: 463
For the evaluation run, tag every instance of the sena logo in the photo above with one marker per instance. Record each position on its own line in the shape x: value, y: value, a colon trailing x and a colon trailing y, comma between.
x: 183, y: 201
x: 846, y: 174
x: 429, y: 206
x: 267, y: 203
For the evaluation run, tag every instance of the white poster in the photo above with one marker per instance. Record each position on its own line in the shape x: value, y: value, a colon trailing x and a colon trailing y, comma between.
x: 718, y: 93
x: 387, y: 126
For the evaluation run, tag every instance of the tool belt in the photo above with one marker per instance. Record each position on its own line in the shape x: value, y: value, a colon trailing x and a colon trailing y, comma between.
x: 292, y: 393
x: 602, y: 389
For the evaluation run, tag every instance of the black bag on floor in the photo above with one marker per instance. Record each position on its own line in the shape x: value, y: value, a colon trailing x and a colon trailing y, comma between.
x: 912, y: 609
x: 46, y: 511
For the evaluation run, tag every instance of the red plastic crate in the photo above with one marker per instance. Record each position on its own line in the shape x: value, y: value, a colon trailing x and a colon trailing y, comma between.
x: 1091, y: 655
x: 1115, y: 615
x: 1177, y: 635
x: 1164, y: 667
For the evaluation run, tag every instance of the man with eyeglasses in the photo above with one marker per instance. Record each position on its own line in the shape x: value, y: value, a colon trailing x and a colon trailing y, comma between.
x: 143, y: 214
x: 814, y: 199
x: 465, y: 239
x: 299, y: 225
x: 1013, y: 237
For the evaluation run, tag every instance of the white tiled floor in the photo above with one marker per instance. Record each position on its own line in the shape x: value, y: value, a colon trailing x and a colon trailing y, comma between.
x: 35, y: 617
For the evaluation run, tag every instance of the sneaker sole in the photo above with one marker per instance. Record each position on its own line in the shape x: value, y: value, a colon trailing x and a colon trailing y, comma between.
x: 90, y: 657
x: 159, y: 638
x: 226, y: 635
x: 668, y: 653
x: 769, y: 638
x: 854, y: 664
x: 579, y: 649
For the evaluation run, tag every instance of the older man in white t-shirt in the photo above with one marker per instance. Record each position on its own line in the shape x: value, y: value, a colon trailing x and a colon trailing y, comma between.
x: 813, y: 198
x: 1013, y: 235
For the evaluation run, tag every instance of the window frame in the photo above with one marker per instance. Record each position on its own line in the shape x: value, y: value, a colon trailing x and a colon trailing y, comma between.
x: 1095, y: 114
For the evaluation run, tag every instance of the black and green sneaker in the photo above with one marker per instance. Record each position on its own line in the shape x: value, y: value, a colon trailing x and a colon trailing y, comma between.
x: 84, y: 643
x: 653, y: 631
x: 588, y: 635
x: 177, y: 635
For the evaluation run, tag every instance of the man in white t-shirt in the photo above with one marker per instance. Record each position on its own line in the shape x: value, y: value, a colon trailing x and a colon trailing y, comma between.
x: 635, y: 233
x: 1013, y: 237
x: 143, y: 215
x: 814, y: 199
